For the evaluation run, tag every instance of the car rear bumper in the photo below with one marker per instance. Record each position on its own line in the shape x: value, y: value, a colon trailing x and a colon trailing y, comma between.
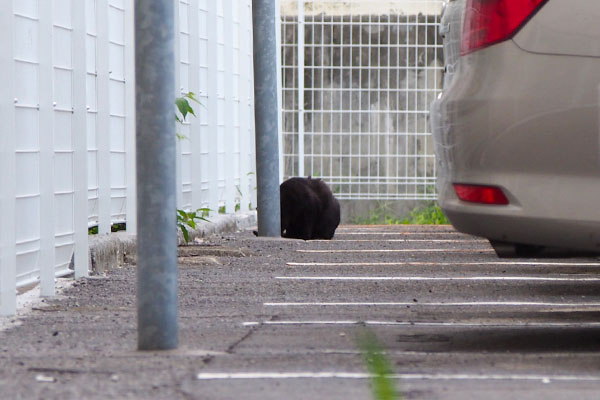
x: 531, y: 132
x: 514, y: 228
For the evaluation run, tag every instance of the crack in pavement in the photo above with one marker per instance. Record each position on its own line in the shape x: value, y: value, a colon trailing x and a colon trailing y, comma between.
x: 232, y: 347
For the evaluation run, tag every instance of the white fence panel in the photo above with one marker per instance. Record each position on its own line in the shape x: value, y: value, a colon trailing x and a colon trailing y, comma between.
x: 67, y: 148
x: 103, y: 116
x: 92, y: 98
x: 116, y: 73
x: 46, y: 119
x: 28, y: 140
x: 63, y: 102
x: 80, y: 256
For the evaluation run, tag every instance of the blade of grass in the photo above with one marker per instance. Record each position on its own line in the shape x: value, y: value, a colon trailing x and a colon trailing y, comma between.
x: 380, y: 369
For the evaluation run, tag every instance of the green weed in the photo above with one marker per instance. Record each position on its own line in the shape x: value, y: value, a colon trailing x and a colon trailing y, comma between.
x: 113, y: 228
x: 382, y: 214
x: 184, y: 107
x: 379, y: 368
x: 187, y: 220
x: 430, y: 214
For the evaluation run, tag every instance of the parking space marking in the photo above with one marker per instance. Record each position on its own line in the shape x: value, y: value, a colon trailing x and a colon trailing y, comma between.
x: 437, y: 304
x: 512, y: 324
x: 538, y: 354
x: 434, y: 263
x: 392, y: 233
x: 486, y: 250
x: 414, y: 239
x: 401, y: 240
x: 409, y: 376
x: 442, y: 279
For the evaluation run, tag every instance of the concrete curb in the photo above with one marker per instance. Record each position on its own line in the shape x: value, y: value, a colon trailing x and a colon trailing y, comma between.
x: 115, y: 249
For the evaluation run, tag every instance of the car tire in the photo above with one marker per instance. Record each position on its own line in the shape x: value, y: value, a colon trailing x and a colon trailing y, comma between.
x: 513, y: 250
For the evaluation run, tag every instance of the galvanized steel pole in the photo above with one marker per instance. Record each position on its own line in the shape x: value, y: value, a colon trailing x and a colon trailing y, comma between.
x: 155, y: 162
x: 265, y: 113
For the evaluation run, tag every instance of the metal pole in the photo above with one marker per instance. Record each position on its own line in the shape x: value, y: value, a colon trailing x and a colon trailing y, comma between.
x: 155, y: 162
x: 265, y: 112
x: 301, y: 26
x: 279, y: 86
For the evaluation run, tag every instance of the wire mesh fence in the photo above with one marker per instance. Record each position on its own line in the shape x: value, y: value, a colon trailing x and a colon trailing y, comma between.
x: 357, y: 80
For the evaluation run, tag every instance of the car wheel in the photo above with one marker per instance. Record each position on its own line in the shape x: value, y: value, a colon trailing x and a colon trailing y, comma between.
x: 512, y: 250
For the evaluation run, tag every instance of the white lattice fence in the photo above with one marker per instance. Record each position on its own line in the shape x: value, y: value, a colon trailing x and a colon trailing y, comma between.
x: 68, y: 138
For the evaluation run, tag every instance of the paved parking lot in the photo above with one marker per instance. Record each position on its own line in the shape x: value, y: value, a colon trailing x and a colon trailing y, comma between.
x: 272, y: 319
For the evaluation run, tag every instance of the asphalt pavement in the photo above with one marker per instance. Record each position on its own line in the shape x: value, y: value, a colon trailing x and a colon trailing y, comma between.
x: 279, y: 319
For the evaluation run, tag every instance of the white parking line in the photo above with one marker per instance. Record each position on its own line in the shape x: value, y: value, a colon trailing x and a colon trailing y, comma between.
x: 433, y: 263
x: 397, y: 233
x: 482, y: 324
x: 400, y: 251
x: 362, y: 375
x: 537, y: 354
x: 401, y: 240
x: 437, y: 278
x: 437, y: 304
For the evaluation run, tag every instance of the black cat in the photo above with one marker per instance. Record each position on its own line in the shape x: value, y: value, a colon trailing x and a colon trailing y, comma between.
x: 308, y: 209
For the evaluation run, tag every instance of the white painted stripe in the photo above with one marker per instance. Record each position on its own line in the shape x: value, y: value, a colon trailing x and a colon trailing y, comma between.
x: 388, y: 227
x: 415, y: 376
x: 400, y: 251
x: 437, y: 278
x: 438, y: 304
x: 401, y: 240
x: 423, y: 233
x: 512, y: 324
x: 433, y: 263
x: 537, y: 354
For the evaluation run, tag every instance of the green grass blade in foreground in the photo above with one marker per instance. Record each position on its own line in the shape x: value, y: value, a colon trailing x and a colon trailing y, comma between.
x: 379, y: 367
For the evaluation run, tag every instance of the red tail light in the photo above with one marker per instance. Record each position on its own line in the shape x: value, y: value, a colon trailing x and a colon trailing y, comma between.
x: 480, y: 194
x: 491, y: 21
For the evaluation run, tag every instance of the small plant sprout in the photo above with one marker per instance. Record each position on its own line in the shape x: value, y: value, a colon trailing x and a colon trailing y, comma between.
x: 238, y: 205
x: 184, y: 108
x: 378, y: 366
x: 187, y: 220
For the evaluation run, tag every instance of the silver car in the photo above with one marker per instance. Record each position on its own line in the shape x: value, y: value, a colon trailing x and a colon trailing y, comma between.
x: 516, y: 128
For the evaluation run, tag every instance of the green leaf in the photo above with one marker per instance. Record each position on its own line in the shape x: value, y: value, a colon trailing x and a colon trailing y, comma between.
x: 183, y: 106
x: 187, y: 220
x: 186, y: 235
x: 191, y: 110
x: 192, y: 96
